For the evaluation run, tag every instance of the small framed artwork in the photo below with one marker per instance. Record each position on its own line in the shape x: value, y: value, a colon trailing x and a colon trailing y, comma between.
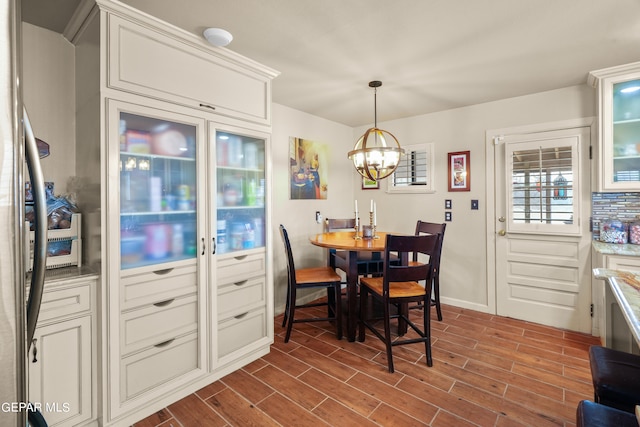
x: 368, y: 184
x: 459, y: 171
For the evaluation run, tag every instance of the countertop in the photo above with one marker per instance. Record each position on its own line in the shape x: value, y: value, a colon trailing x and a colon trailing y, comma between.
x: 616, y: 249
x: 625, y: 286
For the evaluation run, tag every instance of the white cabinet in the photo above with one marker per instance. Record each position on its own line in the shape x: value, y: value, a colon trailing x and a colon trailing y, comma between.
x: 62, y: 358
x: 176, y: 141
x: 618, y: 154
x: 614, y: 330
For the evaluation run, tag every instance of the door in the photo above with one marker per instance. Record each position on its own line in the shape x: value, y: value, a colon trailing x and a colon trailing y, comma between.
x: 543, y: 241
x: 60, y: 371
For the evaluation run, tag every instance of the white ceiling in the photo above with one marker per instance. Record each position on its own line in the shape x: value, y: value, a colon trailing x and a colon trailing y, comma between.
x: 431, y: 55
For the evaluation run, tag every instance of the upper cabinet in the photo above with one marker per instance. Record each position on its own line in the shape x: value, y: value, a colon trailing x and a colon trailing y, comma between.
x: 153, y: 63
x: 618, y: 155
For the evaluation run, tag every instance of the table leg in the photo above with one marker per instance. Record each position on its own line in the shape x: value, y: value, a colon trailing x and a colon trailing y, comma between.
x: 352, y: 295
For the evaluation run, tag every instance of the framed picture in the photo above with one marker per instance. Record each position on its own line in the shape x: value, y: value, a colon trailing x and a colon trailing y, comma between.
x: 368, y: 184
x: 459, y: 171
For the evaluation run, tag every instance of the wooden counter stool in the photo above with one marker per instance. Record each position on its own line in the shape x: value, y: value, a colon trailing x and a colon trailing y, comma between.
x: 616, y: 377
x: 591, y: 414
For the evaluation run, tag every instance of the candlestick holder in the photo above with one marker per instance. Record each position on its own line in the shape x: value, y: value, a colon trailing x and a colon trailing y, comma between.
x: 357, y: 229
x: 373, y: 227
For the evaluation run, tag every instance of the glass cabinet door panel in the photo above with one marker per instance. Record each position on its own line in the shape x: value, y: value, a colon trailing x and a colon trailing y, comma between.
x: 157, y: 191
x: 240, y: 182
x: 626, y: 131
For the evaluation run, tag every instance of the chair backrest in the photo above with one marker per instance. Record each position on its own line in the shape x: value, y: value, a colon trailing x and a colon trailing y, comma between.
x: 430, y: 228
x: 333, y: 224
x: 402, y: 246
x: 291, y: 268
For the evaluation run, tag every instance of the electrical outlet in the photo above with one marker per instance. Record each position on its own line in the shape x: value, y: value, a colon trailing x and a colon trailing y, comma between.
x: 447, y: 216
x: 318, y: 217
x: 447, y: 204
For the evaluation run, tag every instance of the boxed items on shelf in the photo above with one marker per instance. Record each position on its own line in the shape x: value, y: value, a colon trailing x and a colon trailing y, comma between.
x: 64, y: 245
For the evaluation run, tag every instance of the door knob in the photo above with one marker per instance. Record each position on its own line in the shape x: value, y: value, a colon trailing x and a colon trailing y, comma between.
x: 502, y: 233
x: 501, y: 219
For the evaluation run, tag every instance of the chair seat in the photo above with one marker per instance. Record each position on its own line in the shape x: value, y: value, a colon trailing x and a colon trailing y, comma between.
x: 316, y: 275
x: 396, y: 289
x: 590, y: 414
x: 616, y: 377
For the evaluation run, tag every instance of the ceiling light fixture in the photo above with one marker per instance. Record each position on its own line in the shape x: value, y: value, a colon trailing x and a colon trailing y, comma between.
x: 376, y: 154
x: 217, y: 36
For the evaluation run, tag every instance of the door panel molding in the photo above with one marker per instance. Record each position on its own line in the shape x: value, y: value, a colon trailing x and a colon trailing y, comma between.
x: 568, y: 253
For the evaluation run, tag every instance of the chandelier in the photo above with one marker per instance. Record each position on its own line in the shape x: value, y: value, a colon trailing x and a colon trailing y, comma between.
x: 377, y: 152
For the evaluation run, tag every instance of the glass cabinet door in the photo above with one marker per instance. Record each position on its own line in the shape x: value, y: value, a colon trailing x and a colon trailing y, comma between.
x: 240, y: 186
x: 626, y: 131
x: 158, y: 186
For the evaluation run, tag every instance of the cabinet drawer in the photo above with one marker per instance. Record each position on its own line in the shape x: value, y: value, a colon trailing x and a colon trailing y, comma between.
x: 152, y: 287
x: 241, y: 330
x: 151, y: 63
x: 148, y: 369
x: 236, y: 269
x: 158, y: 323
x: 63, y: 302
x: 238, y: 297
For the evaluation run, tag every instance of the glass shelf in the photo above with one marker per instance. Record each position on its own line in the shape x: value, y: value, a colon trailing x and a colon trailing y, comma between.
x: 158, y: 184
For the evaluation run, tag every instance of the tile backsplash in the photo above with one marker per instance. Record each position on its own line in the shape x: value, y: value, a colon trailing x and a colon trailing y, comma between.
x: 624, y: 206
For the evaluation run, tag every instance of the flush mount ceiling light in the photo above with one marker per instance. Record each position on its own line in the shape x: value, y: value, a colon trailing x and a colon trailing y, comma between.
x: 217, y: 36
x: 377, y: 153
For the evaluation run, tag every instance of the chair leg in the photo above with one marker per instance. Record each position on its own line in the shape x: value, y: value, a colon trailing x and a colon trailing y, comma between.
x: 364, y: 299
x: 338, y: 309
x: 286, y: 307
x: 331, y: 297
x: 436, y: 295
x: 427, y: 327
x: 292, y: 310
x: 387, y: 335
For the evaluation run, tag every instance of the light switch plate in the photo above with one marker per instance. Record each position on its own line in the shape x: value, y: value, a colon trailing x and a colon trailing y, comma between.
x: 474, y: 205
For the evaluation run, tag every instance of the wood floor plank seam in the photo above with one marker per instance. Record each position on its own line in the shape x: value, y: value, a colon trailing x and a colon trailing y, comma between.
x: 488, y: 371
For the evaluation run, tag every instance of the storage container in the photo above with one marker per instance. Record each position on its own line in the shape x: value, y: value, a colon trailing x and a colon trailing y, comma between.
x: 613, y: 230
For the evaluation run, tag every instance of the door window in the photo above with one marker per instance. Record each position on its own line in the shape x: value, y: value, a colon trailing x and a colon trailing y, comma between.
x: 543, y: 178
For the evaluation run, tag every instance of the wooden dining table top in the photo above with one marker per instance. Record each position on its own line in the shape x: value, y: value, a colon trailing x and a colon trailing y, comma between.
x: 345, y: 240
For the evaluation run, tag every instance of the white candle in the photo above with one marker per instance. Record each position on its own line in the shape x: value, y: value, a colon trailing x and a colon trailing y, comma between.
x: 356, y: 204
x: 371, y: 209
x: 375, y: 221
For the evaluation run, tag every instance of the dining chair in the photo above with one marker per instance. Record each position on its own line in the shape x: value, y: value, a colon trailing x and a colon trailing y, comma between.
x: 423, y: 227
x: 399, y: 285
x: 368, y: 262
x: 312, y: 277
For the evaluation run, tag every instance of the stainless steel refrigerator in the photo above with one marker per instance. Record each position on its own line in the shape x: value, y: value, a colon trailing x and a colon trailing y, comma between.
x: 18, y: 311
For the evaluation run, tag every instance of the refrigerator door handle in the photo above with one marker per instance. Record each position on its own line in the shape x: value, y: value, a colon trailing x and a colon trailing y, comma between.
x: 40, y: 242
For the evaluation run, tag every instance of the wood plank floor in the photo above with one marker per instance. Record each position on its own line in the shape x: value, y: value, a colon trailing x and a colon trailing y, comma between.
x: 488, y: 371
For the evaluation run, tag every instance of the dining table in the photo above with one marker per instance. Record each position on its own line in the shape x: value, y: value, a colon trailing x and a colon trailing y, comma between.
x: 346, y: 241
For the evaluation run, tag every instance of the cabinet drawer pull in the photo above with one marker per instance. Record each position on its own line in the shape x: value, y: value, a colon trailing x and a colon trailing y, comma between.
x: 165, y: 343
x: 35, y: 350
x: 165, y: 271
x: 208, y: 106
x: 240, y: 316
x: 240, y: 257
x: 164, y: 303
x: 240, y: 283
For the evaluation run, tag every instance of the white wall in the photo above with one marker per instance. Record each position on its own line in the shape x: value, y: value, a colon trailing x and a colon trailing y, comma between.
x: 298, y: 216
x: 49, y: 95
x: 463, y: 270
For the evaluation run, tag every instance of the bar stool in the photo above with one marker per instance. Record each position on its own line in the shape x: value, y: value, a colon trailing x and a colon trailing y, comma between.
x: 591, y: 414
x: 616, y: 377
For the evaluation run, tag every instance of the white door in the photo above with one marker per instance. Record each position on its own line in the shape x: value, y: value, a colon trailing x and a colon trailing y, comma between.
x: 542, y: 243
